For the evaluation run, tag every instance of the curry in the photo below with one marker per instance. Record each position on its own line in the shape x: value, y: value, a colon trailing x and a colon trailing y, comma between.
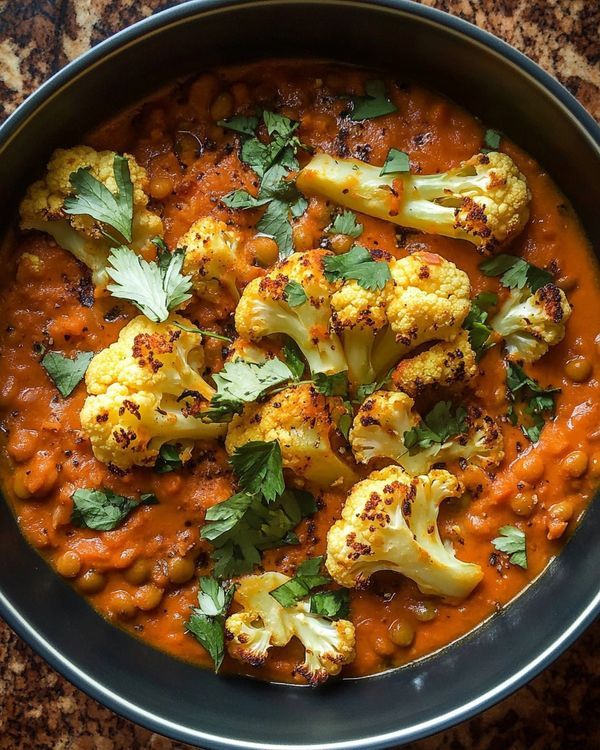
x: 143, y: 573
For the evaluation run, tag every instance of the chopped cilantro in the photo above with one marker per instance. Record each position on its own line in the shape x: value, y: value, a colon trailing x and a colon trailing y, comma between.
x: 357, y: 264
x: 66, y: 373
x: 491, y: 140
x: 374, y: 103
x: 513, y: 542
x: 207, y: 621
x: 438, y: 426
x: 535, y: 401
x: 396, y: 162
x: 332, y: 385
x: 334, y: 605
x: 515, y: 273
x: 240, y: 124
x: 345, y: 223
x: 92, y: 198
x: 258, y: 468
x: 294, y: 359
x: 243, y: 526
x: 306, y: 578
x: 168, y: 459
x: 476, y: 323
x: 104, y: 510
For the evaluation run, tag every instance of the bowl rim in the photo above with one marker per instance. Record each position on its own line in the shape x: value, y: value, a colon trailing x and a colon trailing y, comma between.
x: 179, y: 14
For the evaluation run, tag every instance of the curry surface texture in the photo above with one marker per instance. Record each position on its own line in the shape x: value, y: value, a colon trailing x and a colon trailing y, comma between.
x: 157, y: 552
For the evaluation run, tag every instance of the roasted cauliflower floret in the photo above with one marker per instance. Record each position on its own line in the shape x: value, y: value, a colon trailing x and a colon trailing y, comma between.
x: 379, y: 429
x: 389, y: 522
x: 43, y: 208
x: 264, y: 623
x: 484, y: 201
x: 146, y: 390
x: 303, y: 422
x: 211, y: 256
x: 532, y: 323
x: 358, y: 316
x: 428, y: 301
x: 264, y: 310
x: 443, y: 365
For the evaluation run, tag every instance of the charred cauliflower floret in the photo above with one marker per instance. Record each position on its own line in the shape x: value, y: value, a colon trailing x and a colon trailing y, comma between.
x: 43, y: 207
x: 379, y: 429
x: 443, y: 365
x: 146, y: 390
x: 211, y: 256
x: 264, y: 310
x: 389, y: 522
x: 303, y: 422
x: 428, y: 301
x: 264, y: 623
x: 484, y: 201
x: 532, y: 323
x: 358, y: 316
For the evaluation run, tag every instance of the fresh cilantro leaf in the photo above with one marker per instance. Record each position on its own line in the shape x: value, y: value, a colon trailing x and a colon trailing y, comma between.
x: 207, y: 621
x: 365, y: 390
x: 104, y: 510
x: 201, y: 332
x: 345, y: 223
x: 476, y: 323
x: 221, y: 409
x: 240, y: 124
x: 259, y: 469
x: 294, y: 359
x: 240, y: 199
x: 335, y: 605
x: 438, y: 426
x: 294, y: 294
x: 246, y: 381
x: 272, y: 162
x: 243, y: 526
x: 306, y: 579
x: 155, y: 288
x: 332, y: 385
x: 92, y: 198
x: 491, y: 140
x: 66, y: 373
x: 275, y: 223
x: 168, y: 459
x: 374, y: 104
x: 357, y: 264
x: 396, y: 162
x: 535, y: 401
x: 513, y: 542
x: 515, y: 273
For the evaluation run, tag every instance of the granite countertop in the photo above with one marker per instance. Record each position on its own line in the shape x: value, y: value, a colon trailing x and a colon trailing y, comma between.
x: 39, y: 710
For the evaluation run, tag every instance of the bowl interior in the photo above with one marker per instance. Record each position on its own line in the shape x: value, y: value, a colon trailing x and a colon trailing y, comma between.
x: 173, y: 697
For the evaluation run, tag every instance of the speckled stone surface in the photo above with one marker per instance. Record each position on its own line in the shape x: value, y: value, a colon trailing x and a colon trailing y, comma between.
x: 39, y: 710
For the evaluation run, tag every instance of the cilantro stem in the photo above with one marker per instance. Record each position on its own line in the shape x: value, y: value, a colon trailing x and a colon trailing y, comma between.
x: 210, y: 334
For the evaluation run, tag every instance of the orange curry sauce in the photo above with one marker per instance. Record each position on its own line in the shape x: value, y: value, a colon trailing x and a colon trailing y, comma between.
x: 192, y: 162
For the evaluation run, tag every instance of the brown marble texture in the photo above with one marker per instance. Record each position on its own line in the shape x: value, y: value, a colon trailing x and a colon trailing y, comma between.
x: 39, y: 710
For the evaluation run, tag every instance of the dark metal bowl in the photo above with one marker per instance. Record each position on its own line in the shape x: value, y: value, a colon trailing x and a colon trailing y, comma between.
x: 508, y: 92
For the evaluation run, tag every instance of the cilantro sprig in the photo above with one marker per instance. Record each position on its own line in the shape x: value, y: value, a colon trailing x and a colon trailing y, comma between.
x: 374, y: 103
x: 66, y: 373
x: 92, y: 198
x: 331, y: 604
x: 243, y: 526
x: 476, y: 323
x: 154, y: 287
x: 294, y: 294
x: 104, y: 510
x: 438, y: 426
x: 258, y: 467
x: 530, y: 401
x: 515, y: 273
x: 357, y: 264
x: 273, y: 162
x: 345, y: 223
x: 207, y: 620
x: 513, y: 542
